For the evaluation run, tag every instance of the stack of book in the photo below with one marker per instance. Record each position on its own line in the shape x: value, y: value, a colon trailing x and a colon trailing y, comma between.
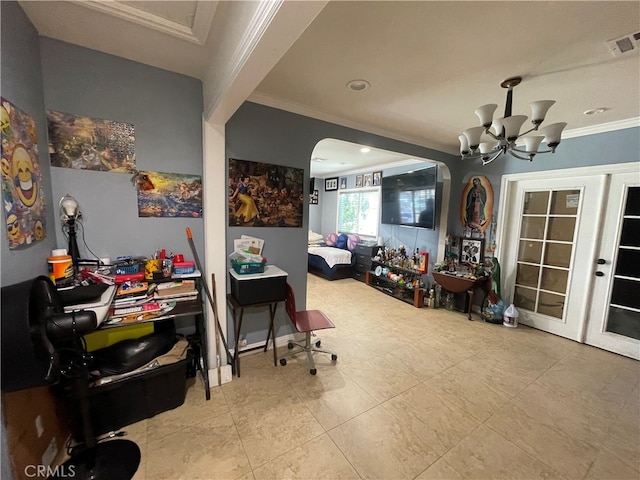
x: 131, y: 293
x: 176, y: 291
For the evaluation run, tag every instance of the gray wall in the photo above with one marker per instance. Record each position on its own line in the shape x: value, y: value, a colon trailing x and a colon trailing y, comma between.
x: 166, y: 111
x: 21, y: 82
x: 263, y: 134
x: 609, y: 148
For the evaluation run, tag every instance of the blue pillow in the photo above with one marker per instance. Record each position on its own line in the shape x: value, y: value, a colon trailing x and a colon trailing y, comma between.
x: 342, y: 241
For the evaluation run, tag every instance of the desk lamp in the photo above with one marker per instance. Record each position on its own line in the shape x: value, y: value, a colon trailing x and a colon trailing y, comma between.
x: 70, y: 214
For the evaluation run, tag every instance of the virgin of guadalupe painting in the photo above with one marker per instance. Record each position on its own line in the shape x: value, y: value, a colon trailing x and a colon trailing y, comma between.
x: 476, y: 205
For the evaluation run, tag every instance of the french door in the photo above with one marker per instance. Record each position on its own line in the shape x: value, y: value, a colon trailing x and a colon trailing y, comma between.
x: 571, y: 255
x: 614, y: 320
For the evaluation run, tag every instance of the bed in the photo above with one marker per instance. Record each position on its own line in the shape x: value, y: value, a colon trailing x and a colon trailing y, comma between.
x: 332, y: 262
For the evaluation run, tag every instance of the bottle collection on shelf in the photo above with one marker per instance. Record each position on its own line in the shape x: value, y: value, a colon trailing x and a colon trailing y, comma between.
x: 412, y: 267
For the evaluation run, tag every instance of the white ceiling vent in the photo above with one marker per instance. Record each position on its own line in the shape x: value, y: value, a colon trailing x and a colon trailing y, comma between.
x: 625, y: 45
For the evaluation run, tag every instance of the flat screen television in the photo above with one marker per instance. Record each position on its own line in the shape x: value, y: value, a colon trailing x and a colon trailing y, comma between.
x: 410, y: 198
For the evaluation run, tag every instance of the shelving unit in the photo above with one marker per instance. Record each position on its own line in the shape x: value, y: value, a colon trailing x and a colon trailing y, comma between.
x: 414, y: 296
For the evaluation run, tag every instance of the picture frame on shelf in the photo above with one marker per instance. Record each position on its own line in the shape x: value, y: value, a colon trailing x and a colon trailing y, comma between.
x: 358, y: 181
x: 368, y: 179
x: 330, y: 184
x: 377, y: 179
x: 343, y: 183
x: 471, y: 250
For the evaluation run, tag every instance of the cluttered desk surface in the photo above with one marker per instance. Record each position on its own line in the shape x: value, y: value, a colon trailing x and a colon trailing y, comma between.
x: 136, y: 301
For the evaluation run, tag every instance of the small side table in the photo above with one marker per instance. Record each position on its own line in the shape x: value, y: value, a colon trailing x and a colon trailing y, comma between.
x: 456, y: 284
x: 237, y: 326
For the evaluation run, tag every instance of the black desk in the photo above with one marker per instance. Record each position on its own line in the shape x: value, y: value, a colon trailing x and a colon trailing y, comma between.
x: 191, y: 308
x: 237, y: 325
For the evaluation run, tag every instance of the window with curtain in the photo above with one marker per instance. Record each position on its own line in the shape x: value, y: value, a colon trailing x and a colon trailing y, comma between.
x: 359, y: 211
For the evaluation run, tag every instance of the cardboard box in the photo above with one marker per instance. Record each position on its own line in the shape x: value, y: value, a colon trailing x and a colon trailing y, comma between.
x: 35, y: 420
x: 270, y: 286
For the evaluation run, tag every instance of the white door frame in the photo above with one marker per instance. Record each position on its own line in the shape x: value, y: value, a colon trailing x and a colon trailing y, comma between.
x: 509, y: 182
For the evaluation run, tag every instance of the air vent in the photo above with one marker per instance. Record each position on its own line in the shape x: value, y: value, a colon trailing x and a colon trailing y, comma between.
x: 625, y: 45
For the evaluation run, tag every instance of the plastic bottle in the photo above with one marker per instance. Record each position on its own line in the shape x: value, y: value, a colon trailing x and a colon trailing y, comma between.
x: 510, y: 318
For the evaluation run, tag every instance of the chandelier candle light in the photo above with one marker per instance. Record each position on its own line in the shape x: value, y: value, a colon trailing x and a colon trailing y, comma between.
x: 506, y: 131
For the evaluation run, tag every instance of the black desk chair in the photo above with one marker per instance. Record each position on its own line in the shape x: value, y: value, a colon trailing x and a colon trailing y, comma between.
x: 57, y: 341
x: 306, y: 321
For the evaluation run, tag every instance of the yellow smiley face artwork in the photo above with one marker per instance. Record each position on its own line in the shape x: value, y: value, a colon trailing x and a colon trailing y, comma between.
x: 6, y: 167
x: 23, y: 175
x: 13, y: 228
x: 5, y: 122
x: 38, y: 230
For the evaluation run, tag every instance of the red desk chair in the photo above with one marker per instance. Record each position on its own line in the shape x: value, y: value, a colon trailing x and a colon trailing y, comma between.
x: 306, y: 321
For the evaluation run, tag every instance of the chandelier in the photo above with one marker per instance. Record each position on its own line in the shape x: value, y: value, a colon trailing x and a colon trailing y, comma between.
x: 505, y: 131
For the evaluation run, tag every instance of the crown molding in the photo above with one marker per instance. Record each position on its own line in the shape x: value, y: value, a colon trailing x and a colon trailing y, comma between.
x: 309, y: 112
x: 602, y: 128
x: 197, y: 34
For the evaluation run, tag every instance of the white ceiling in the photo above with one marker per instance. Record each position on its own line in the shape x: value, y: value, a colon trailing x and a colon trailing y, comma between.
x: 429, y: 63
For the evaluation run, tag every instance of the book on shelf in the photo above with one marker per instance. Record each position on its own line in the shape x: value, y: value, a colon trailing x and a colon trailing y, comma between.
x: 132, y: 289
x: 180, y: 288
x: 135, y: 299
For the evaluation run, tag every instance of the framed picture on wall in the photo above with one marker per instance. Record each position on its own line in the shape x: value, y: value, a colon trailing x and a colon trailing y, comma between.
x: 330, y: 184
x: 471, y: 250
x: 313, y: 197
x: 368, y: 179
x: 343, y: 183
x: 358, y: 181
x: 377, y: 179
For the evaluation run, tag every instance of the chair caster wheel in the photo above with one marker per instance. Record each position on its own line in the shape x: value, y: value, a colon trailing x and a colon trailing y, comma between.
x: 283, y: 362
x: 318, y: 343
x: 334, y: 357
x: 313, y: 371
x: 290, y: 345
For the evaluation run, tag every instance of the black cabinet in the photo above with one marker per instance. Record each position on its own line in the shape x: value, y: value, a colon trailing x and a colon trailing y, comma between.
x: 363, y: 253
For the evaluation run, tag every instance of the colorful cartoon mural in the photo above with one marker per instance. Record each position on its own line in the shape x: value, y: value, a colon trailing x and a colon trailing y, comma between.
x: 22, y: 197
x: 168, y: 194
x: 265, y: 195
x: 91, y: 144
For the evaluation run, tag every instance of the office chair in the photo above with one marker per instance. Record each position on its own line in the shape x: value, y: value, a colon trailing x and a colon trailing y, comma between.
x: 57, y: 342
x: 306, y: 321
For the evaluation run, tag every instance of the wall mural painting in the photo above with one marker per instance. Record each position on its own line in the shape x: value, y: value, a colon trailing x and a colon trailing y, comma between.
x: 168, y: 194
x: 264, y: 195
x: 23, y: 199
x: 476, y: 206
x: 91, y: 144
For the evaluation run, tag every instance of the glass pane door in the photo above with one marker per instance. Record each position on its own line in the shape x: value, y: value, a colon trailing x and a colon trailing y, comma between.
x: 624, y: 307
x: 545, y: 250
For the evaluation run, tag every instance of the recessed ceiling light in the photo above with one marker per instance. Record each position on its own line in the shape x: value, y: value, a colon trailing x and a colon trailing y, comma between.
x: 365, y: 149
x: 595, y: 111
x: 358, y: 85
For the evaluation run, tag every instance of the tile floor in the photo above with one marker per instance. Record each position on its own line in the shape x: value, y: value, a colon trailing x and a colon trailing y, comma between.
x: 415, y: 393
